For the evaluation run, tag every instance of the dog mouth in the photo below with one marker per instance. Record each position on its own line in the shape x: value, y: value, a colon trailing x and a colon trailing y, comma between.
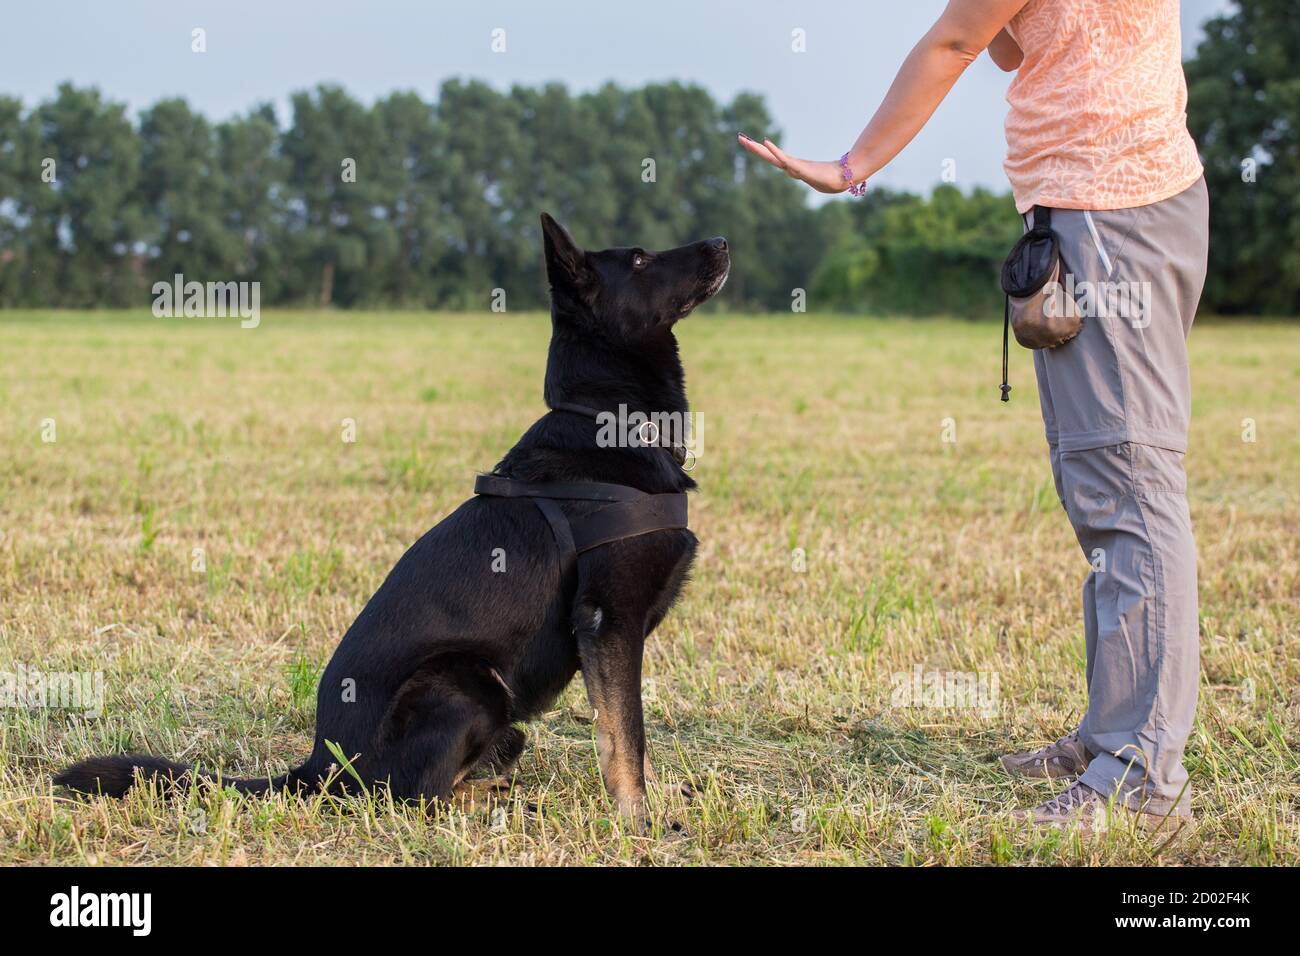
x: 711, y: 288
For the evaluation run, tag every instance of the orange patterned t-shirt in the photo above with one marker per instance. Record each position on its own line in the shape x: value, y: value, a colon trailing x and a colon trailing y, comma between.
x: 1098, y: 114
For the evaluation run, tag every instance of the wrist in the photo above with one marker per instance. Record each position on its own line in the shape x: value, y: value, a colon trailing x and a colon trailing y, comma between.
x: 853, y: 174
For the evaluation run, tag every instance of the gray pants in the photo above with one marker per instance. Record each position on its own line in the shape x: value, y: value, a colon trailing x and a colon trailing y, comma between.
x: 1116, y: 401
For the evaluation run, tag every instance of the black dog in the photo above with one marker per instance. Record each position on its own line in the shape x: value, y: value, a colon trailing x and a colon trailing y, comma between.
x: 481, y: 625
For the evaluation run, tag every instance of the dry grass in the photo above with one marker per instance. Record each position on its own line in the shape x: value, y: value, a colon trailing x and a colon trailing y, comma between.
x: 768, y: 688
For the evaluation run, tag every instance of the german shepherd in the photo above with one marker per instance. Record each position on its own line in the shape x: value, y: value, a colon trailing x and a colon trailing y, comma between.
x: 428, y: 686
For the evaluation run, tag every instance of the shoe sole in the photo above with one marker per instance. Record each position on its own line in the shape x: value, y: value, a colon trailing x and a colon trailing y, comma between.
x: 1169, y: 829
x: 1035, y: 771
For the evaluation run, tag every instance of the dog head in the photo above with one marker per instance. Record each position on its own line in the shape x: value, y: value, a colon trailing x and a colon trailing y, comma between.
x: 629, y: 295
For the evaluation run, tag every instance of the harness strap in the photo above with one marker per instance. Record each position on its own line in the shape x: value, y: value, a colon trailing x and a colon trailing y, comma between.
x: 563, y: 535
x: 628, y: 512
x: 1006, y: 329
x: 502, y: 487
x: 628, y: 519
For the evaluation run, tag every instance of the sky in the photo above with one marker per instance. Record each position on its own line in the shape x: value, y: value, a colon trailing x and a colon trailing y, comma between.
x: 139, y: 51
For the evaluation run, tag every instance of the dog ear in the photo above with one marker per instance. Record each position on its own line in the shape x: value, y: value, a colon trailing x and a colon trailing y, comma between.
x: 566, y: 263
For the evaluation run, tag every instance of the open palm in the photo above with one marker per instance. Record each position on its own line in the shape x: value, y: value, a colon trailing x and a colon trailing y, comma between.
x: 823, y: 177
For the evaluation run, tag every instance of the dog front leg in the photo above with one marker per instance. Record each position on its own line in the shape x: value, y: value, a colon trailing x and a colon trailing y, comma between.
x: 610, y: 653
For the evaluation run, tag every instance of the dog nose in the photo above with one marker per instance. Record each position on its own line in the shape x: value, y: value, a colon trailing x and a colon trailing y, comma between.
x: 719, y: 243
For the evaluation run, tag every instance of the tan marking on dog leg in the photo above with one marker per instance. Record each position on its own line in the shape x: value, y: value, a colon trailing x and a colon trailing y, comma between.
x: 611, y: 671
x: 651, y: 778
x: 623, y: 773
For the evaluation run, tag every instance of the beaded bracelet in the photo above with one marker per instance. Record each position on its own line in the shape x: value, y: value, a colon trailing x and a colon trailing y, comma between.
x: 855, y: 189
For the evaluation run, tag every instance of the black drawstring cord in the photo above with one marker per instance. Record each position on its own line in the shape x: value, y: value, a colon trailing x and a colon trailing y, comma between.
x: 1006, y: 326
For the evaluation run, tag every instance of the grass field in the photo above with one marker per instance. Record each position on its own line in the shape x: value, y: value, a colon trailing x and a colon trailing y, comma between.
x: 769, y: 688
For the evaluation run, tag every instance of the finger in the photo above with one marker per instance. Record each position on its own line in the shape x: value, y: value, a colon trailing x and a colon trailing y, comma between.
x: 781, y: 157
x: 794, y: 167
x: 759, y: 150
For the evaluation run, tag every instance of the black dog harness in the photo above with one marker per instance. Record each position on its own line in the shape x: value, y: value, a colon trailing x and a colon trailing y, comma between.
x: 627, y: 513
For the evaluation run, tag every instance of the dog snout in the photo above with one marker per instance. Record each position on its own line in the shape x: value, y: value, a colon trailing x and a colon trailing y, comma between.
x: 717, y: 243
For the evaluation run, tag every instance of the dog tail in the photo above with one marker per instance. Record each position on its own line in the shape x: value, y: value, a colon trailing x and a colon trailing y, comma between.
x: 114, y: 776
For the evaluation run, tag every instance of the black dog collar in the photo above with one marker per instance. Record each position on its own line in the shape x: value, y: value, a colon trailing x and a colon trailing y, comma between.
x: 679, y: 452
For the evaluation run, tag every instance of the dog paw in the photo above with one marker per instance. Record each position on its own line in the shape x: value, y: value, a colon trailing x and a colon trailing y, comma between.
x: 656, y: 827
x: 472, y: 794
x: 675, y: 788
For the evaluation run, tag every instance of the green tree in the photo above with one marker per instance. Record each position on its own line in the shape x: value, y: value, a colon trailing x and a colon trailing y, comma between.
x: 334, y: 156
x: 775, y: 237
x: 435, y: 204
x: 486, y: 161
x: 86, y: 226
x: 16, y: 170
x: 562, y: 168
x: 182, y: 185
x: 1244, y: 111
x: 906, y: 254
x: 253, y: 200
x: 409, y: 232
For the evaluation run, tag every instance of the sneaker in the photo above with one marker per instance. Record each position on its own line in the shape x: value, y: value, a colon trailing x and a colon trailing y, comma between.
x: 1068, y: 757
x: 1085, y: 808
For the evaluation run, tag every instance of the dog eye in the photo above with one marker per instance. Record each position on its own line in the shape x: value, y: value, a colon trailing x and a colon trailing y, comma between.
x: 639, y: 260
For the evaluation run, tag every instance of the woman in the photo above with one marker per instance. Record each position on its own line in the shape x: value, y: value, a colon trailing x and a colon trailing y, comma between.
x: 1097, y: 133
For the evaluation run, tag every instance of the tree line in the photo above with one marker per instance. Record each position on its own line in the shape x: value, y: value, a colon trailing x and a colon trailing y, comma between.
x: 434, y: 204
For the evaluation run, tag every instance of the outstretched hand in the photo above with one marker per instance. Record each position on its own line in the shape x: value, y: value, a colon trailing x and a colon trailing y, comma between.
x: 823, y: 177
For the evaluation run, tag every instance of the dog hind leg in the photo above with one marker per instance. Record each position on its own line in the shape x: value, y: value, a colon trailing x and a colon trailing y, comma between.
x: 442, y: 722
x: 501, y: 755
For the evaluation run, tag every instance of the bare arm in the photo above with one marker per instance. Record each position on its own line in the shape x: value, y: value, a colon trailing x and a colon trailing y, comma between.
x: 964, y: 29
